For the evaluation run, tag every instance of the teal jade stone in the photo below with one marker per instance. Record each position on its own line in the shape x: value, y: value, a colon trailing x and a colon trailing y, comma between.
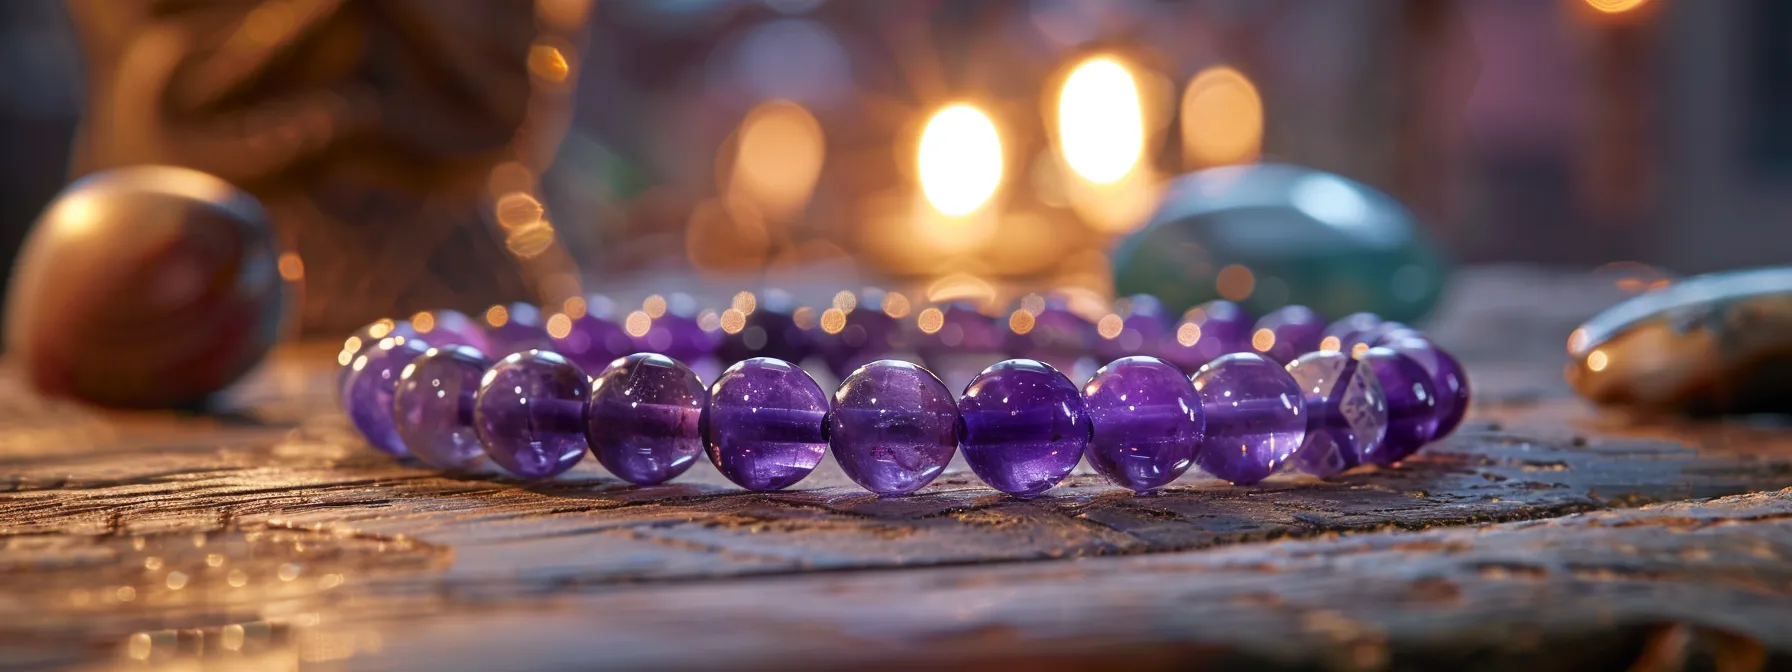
x: 1307, y: 237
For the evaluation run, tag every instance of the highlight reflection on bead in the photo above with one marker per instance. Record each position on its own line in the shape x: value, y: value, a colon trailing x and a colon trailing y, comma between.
x: 644, y: 418
x: 764, y: 425
x: 530, y: 413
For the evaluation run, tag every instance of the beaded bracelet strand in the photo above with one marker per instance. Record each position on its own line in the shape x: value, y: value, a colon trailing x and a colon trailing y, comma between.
x: 1374, y: 392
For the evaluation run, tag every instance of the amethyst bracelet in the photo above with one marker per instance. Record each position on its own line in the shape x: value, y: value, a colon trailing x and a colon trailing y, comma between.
x: 1365, y: 391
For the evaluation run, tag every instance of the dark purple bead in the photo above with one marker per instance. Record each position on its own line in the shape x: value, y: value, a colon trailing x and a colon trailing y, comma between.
x: 1287, y: 333
x: 678, y: 336
x: 595, y: 339
x: 956, y: 341
x: 516, y: 329
x: 857, y: 338
x: 768, y: 330
x: 1143, y: 329
x: 1447, y: 377
x: 1349, y: 325
x: 530, y: 413
x: 1256, y: 419
x: 893, y: 427
x: 452, y: 327
x: 434, y: 407
x: 1412, y: 404
x: 1358, y: 332
x: 1050, y: 332
x: 1147, y: 422
x: 359, y: 343
x: 1347, y: 413
x: 644, y: 421
x: 370, y: 389
x: 764, y: 425
x: 1025, y: 426
x: 1206, y: 332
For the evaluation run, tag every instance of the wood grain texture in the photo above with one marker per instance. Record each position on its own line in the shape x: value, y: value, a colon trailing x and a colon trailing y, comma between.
x: 1543, y: 535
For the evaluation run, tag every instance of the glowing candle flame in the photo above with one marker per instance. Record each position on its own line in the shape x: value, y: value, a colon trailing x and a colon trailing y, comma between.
x: 960, y: 160
x: 1101, y: 130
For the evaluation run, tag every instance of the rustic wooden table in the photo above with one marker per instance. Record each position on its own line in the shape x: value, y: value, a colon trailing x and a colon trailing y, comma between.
x: 1544, y: 535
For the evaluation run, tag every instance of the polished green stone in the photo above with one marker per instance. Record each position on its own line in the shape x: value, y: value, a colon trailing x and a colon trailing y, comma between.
x: 1306, y: 236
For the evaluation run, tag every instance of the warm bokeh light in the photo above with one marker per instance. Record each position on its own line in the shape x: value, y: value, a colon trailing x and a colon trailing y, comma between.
x: 1033, y: 303
x: 1598, y: 360
x: 1615, y: 6
x: 1188, y: 334
x: 1235, y: 283
x: 292, y: 268
x: 709, y: 320
x: 424, y: 322
x: 930, y: 320
x: 637, y: 323
x: 745, y: 303
x: 549, y: 63
x: 654, y: 305
x: 518, y: 209
x: 804, y: 317
x: 1110, y: 326
x: 778, y: 157
x: 960, y: 160
x: 1263, y: 339
x: 575, y: 307
x: 1101, y: 129
x: 1577, y: 341
x: 497, y: 316
x: 733, y: 320
x: 845, y: 301
x: 1357, y: 351
x: 896, y: 305
x: 833, y: 320
x: 1330, y: 344
x: 1021, y: 322
x: 559, y: 325
x: 1222, y: 119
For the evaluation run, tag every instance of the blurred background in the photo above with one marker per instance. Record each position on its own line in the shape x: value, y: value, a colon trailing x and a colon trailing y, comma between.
x: 933, y: 144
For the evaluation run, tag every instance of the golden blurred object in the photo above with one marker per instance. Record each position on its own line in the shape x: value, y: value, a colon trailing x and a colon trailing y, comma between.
x: 960, y: 160
x: 146, y: 287
x: 1101, y: 129
x: 1615, y: 6
x: 1222, y: 119
x: 778, y: 158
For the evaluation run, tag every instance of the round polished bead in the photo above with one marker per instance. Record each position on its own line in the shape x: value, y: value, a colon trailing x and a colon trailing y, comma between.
x: 1288, y: 332
x: 893, y: 427
x: 1024, y: 426
x: 1050, y: 332
x: 1206, y: 332
x: 1147, y: 422
x: 530, y: 413
x: 1143, y: 329
x: 1447, y: 378
x: 1412, y: 404
x: 859, y: 337
x: 451, y: 327
x: 433, y: 407
x: 516, y: 328
x: 645, y: 418
x: 1347, y: 413
x: 594, y: 339
x: 765, y: 423
x: 769, y: 329
x: 1256, y: 419
x: 371, y: 385
x: 359, y: 343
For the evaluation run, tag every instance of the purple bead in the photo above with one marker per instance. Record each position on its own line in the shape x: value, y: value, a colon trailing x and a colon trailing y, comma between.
x: 764, y: 426
x: 530, y: 413
x: 645, y: 418
x: 1206, y: 332
x: 594, y: 339
x: 678, y: 337
x: 1255, y: 417
x: 518, y: 328
x: 1287, y: 333
x: 864, y: 335
x: 370, y: 388
x: 1447, y: 378
x: 1350, y: 325
x: 452, y: 327
x: 433, y: 407
x: 1147, y: 422
x: 1358, y: 332
x: 1143, y: 329
x: 1412, y: 404
x: 359, y: 343
x: 770, y: 330
x: 893, y: 428
x: 1347, y: 413
x: 956, y: 341
x: 1024, y: 426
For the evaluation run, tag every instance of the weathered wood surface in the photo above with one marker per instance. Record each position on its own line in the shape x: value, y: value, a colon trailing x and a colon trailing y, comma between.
x: 1544, y: 535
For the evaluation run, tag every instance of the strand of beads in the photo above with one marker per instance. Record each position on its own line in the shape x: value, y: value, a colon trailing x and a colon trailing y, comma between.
x: 1372, y: 393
